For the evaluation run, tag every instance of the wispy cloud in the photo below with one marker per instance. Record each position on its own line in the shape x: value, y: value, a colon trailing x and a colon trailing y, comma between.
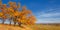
x: 49, y: 17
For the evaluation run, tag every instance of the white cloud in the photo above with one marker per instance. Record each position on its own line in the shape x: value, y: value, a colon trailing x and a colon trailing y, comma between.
x: 49, y: 17
x: 48, y: 20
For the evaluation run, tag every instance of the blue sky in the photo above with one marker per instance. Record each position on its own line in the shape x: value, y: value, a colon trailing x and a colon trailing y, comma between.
x: 46, y: 11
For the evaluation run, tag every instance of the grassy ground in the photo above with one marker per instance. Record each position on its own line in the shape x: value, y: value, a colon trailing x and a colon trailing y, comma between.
x: 11, y: 27
x: 33, y: 27
x: 46, y: 27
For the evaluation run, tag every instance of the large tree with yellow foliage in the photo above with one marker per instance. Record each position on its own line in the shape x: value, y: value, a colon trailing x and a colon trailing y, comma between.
x: 12, y: 13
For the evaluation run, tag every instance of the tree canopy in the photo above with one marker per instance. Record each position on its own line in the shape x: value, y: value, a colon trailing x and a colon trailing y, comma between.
x: 11, y: 11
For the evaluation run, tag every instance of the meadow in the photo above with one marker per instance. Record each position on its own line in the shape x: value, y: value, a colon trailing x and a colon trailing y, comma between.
x: 32, y: 27
x: 46, y: 27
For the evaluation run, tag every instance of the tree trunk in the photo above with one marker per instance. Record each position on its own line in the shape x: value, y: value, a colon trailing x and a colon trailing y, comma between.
x: 19, y: 23
x: 3, y: 21
x: 14, y: 23
x: 10, y: 22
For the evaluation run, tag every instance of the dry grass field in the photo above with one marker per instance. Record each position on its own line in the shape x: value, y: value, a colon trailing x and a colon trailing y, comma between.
x: 46, y: 27
x: 11, y: 27
x: 33, y: 27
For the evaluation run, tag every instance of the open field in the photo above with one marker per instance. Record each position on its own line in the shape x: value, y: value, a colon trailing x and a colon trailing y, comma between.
x: 33, y: 27
x: 46, y: 27
x: 12, y: 27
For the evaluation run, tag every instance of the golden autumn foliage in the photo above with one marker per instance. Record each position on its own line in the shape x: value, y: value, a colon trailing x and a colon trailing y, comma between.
x: 24, y: 16
x: 1, y: 14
